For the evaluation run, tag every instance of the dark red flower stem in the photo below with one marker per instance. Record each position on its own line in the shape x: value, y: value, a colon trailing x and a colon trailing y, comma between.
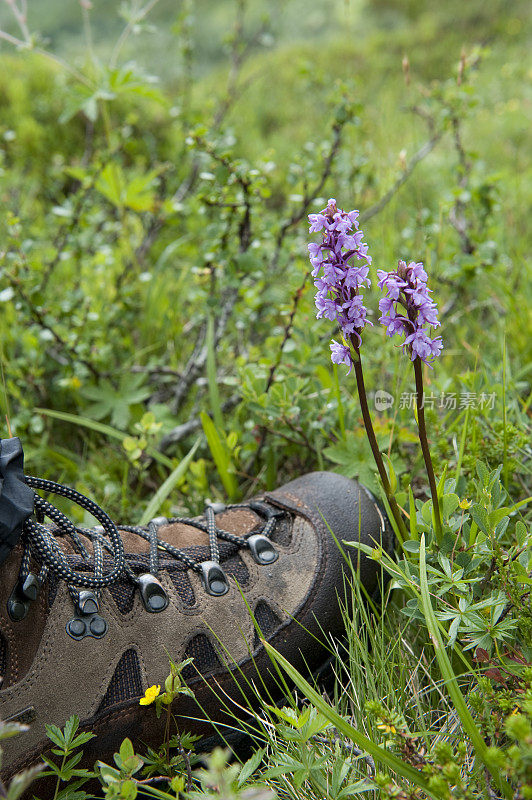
x: 366, y: 416
x: 425, y: 447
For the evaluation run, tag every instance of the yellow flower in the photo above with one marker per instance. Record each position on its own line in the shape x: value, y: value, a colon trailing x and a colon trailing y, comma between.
x: 464, y: 504
x: 151, y: 693
x: 386, y: 728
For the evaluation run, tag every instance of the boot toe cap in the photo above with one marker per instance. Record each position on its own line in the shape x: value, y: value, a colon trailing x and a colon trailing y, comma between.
x: 342, y: 511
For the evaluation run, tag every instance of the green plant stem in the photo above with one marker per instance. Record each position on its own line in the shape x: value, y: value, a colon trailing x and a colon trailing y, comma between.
x: 167, y: 734
x: 425, y: 448
x: 366, y: 416
x: 58, y: 782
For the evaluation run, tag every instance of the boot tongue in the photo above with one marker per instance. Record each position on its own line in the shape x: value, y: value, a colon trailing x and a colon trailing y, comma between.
x: 237, y: 521
x: 16, y: 498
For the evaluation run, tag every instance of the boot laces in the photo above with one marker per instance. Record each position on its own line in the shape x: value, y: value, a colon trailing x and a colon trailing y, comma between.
x: 40, y: 542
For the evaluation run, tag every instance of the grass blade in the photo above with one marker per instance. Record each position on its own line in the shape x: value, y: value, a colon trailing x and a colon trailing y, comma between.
x: 449, y: 677
x: 162, y: 493
x: 413, y: 518
x: 381, y: 755
x: 220, y: 455
x: 101, y: 427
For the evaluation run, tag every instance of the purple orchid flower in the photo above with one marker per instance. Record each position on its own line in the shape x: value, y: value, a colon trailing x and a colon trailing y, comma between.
x: 337, y: 280
x: 408, y: 309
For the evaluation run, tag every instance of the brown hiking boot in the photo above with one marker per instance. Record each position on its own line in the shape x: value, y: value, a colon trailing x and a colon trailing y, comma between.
x: 87, y: 616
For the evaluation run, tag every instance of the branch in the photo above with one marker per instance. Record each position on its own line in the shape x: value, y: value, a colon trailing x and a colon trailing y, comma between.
x: 422, y: 153
x: 274, y: 367
x: 38, y: 318
x: 196, y: 363
x: 309, y: 196
x: 186, y: 428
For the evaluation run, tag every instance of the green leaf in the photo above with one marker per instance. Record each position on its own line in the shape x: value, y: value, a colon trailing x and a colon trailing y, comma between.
x: 126, y: 748
x: 20, y: 782
x: 250, y: 766
x: 480, y: 516
x: 220, y: 456
x: 450, y: 503
x: 426, y: 512
x: 10, y: 729
x: 109, y: 774
x: 111, y: 183
x: 392, y: 477
x: 82, y: 738
x: 116, y: 401
x: 56, y: 735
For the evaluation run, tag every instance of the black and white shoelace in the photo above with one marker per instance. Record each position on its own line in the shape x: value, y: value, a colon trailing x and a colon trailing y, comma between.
x: 40, y: 543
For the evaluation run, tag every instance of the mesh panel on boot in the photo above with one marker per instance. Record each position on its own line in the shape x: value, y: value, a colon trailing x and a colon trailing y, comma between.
x: 202, y: 651
x: 282, y: 533
x: 126, y: 682
x: 3, y: 657
x: 235, y: 566
x: 182, y: 585
x: 124, y: 596
x: 266, y: 619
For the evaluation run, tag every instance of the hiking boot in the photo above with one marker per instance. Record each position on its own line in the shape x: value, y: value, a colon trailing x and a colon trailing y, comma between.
x: 89, y: 616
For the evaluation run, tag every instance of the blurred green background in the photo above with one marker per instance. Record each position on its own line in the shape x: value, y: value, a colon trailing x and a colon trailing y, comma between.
x: 157, y: 170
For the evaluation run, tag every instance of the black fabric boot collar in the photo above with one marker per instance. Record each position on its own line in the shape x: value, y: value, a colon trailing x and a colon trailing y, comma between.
x: 16, y: 498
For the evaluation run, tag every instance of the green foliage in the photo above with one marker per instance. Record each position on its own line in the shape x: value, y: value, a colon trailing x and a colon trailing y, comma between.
x: 20, y: 782
x: 67, y: 771
x: 159, y: 331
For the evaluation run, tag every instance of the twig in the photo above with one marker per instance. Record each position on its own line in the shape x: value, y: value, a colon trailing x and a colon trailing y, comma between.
x: 274, y: 367
x: 196, y: 363
x: 21, y: 18
x: 356, y: 751
x: 240, y: 49
x: 38, y: 317
x: 311, y: 195
x: 64, y: 233
x: 28, y: 45
x: 181, y: 431
x: 457, y: 215
x: 174, y: 373
x: 135, y: 19
x: 422, y: 153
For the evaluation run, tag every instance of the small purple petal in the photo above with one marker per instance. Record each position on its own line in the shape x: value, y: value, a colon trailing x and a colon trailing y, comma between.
x: 341, y: 354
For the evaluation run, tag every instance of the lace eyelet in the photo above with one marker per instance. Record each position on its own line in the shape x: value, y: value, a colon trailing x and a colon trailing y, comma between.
x: 86, y: 625
x: 88, y: 602
x: 262, y: 549
x: 218, y: 508
x: 152, y: 592
x: 31, y: 587
x: 17, y: 605
x: 213, y: 578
